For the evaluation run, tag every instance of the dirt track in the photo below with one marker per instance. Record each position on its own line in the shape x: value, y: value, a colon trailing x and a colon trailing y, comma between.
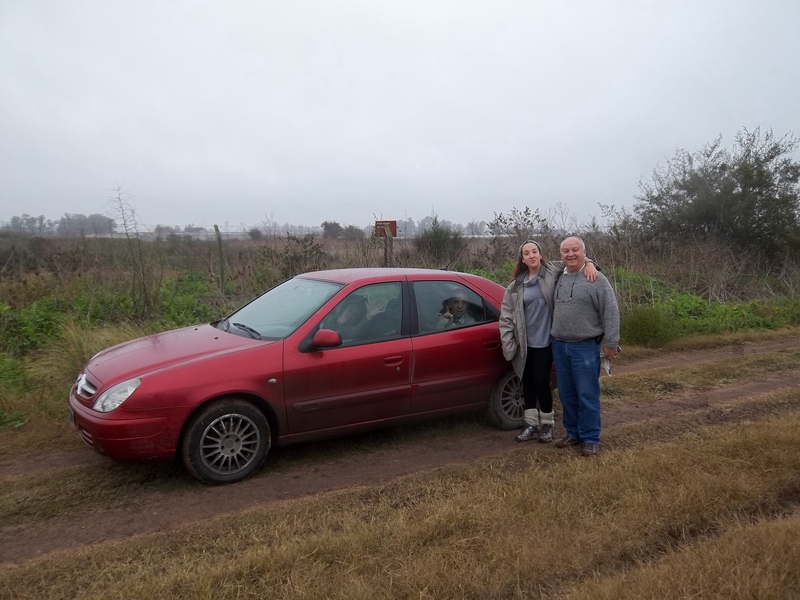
x: 163, y: 508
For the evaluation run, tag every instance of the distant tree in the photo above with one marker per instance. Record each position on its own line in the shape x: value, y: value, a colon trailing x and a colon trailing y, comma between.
x: 746, y: 197
x: 165, y: 230
x: 518, y: 225
x: 332, y: 230
x: 426, y: 223
x: 28, y: 225
x: 406, y: 228
x: 78, y: 224
x: 255, y: 234
x: 100, y: 224
x: 452, y: 226
x: 351, y: 232
x: 561, y: 219
x: 439, y: 242
x: 476, y: 228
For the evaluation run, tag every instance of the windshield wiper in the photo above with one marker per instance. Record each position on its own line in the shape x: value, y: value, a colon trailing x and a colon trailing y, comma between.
x: 253, y: 333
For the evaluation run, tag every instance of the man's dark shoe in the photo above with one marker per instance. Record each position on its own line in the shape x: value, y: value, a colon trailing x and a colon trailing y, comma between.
x: 531, y: 432
x: 567, y: 441
x: 546, y: 433
x: 590, y: 449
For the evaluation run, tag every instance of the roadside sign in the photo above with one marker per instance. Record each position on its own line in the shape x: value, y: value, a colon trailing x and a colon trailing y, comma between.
x: 386, y: 229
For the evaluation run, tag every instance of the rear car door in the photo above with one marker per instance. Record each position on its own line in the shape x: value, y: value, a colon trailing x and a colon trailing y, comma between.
x: 454, y: 365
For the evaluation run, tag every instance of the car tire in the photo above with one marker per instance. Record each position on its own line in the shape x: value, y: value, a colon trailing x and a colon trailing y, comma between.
x: 506, y: 405
x: 225, y: 442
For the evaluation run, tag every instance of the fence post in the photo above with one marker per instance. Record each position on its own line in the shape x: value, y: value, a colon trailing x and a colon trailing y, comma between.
x: 221, y: 261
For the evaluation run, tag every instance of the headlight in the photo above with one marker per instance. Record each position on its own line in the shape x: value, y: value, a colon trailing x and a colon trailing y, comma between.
x: 114, y: 396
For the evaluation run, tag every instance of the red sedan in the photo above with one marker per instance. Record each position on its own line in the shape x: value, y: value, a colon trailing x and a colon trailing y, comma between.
x: 324, y: 354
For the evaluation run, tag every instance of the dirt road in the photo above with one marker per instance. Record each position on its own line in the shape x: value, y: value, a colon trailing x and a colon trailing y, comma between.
x: 286, y: 477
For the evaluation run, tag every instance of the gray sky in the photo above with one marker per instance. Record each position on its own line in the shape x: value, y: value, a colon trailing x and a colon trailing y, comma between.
x: 305, y: 111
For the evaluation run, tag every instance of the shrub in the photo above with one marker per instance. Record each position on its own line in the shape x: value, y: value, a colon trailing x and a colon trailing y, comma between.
x: 28, y: 328
x: 439, y: 244
x: 12, y: 373
x: 187, y: 301
x: 648, y: 326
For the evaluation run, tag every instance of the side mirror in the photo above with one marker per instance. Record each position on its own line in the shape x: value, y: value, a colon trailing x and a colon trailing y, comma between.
x: 326, y: 338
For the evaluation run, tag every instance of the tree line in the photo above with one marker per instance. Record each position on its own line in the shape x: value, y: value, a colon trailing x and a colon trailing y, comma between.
x: 745, y: 197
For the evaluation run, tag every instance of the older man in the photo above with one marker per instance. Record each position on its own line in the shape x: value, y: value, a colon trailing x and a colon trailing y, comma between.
x: 585, y: 327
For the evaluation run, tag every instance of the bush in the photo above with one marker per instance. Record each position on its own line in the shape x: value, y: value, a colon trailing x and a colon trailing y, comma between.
x: 439, y: 244
x: 28, y: 328
x: 649, y: 326
x: 12, y: 374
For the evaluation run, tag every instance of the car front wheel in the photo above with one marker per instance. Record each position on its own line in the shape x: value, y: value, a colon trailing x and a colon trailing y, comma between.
x: 506, y: 404
x: 225, y: 442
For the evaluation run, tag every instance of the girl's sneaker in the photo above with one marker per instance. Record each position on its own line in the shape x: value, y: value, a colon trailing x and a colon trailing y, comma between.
x: 531, y: 432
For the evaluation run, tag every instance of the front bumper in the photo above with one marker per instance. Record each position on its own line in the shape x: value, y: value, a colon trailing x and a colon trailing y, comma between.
x: 124, y: 436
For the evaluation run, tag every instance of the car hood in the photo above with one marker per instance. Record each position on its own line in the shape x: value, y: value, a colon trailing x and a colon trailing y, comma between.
x: 144, y: 355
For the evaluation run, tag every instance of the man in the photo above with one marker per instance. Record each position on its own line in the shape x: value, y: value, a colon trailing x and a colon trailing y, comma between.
x: 585, y: 327
x: 456, y: 314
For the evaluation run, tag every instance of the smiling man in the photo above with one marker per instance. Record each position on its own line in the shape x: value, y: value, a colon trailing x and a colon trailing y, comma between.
x: 585, y: 319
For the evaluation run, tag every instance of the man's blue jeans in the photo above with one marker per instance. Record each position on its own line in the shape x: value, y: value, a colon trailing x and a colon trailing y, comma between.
x: 578, y: 371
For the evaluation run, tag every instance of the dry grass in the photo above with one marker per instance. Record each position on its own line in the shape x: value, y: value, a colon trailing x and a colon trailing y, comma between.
x: 628, y: 525
x: 658, y: 384
x: 63, y: 361
x: 51, y: 373
x: 749, y: 560
x: 633, y: 353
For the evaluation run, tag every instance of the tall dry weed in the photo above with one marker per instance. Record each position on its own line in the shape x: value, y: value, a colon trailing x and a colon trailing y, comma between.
x: 77, y: 343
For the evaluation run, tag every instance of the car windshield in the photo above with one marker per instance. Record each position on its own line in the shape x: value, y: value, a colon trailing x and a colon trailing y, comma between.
x: 280, y: 311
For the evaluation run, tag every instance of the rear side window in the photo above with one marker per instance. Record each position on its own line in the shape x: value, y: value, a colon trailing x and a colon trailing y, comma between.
x: 444, y: 305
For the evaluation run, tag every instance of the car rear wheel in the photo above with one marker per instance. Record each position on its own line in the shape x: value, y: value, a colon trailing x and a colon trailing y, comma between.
x: 506, y: 404
x: 225, y: 442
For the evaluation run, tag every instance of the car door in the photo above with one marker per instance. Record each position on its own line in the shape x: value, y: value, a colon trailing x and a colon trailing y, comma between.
x: 454, y: 365
x: 366, y: 379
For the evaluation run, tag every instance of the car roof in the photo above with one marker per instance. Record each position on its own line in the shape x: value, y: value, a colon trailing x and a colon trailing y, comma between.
x: 356, y: 274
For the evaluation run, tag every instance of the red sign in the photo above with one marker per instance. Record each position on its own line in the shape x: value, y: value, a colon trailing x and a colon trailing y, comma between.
x: 386, y: 229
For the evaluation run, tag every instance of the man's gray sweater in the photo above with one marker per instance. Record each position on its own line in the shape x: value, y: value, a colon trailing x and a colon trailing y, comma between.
x: 584, y: 310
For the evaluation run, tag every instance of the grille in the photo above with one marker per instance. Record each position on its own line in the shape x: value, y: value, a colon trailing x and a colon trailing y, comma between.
x: 84, y: 388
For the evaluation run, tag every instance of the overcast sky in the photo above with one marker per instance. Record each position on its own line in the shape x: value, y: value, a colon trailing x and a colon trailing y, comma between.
x: 303, y: 111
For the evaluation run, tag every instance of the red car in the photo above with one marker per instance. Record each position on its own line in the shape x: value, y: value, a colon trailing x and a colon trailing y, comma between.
x: 324, y: 354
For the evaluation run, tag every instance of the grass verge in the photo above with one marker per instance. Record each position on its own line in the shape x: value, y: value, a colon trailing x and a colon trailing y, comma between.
x: 537, y: 525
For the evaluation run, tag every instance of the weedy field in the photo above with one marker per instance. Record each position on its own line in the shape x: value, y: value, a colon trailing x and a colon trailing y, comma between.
x: 695, y: 495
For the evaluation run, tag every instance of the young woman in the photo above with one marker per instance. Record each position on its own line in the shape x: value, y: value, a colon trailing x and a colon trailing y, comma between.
x: 525, y: 319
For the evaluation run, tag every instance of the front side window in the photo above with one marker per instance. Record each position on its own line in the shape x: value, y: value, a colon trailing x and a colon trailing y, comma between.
x: 371, y: 313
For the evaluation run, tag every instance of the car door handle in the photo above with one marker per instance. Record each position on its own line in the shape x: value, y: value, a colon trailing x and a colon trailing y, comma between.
x: 391, y: 361
x: 491, y: 345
